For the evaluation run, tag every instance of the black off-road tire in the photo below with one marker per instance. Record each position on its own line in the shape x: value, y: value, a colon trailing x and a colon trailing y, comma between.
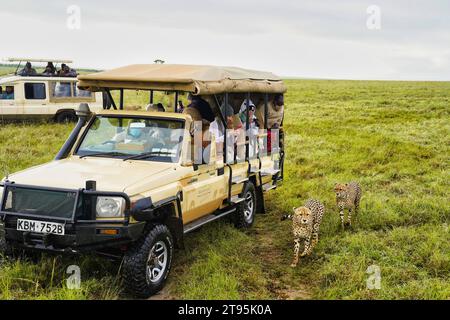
x: 246, y: 210
x: 66, y: 117
x: 135, y: 266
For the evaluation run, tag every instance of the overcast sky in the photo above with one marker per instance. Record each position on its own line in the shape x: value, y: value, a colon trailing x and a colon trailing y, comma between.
x: 298, y: 38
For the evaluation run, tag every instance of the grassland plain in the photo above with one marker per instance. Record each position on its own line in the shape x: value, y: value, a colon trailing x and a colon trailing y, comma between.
x: 392, y: 137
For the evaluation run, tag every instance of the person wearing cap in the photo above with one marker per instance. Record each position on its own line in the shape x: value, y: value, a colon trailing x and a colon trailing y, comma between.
x: 200, y: 111
x: 28, y: 70
x: 251, y: 112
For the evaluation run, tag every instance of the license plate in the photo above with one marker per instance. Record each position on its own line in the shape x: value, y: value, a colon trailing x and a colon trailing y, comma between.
x: 40, y: 227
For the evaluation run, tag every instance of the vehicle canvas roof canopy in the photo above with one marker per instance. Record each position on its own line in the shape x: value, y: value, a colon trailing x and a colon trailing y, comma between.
x: 199, y: 80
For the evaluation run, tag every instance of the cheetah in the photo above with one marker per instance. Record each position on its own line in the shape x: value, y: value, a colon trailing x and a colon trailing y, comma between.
x: 305, y: 226
x: 348, y: 197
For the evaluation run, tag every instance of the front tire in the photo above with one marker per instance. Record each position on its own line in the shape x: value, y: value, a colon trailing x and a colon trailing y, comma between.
x: 66, y: 117
x: 246, y: 210
x: 148, y: 262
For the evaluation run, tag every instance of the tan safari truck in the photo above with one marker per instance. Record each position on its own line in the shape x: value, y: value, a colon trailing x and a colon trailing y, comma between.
x: 126, y: 183
x: 35, y: 97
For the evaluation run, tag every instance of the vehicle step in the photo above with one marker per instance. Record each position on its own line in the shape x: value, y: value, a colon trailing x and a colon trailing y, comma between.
x: 207, y: 219
x: 268, y: 186
x: 239, y: 179
x: 236, y: 199
x: 269, y: 172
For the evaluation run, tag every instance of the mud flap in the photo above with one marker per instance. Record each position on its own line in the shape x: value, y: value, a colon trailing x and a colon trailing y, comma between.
x: 260, y: 207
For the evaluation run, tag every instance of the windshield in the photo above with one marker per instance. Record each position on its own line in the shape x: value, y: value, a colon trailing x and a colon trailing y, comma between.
x: 146, y: 139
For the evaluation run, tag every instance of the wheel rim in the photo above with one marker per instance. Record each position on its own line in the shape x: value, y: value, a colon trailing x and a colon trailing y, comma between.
x: 157, y: 262
x: 248, y: 207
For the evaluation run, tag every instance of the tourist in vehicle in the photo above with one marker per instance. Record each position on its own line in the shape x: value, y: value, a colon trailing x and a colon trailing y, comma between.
x: 202, y: 107
x: 253, y: 129
x: 50, y: 70
x: 8, y: 94
x: 275, y: 112
x: 62, y: 89
x: 135, y: 132
x: 180, y: 106
x: 235, y: 133
x: 28, y: 70
x: 251, y: 112
x: 66, y: 71
x: 200, y: 111
x: 155, y: 107
x: 160, y: 107
x: 218, y: 129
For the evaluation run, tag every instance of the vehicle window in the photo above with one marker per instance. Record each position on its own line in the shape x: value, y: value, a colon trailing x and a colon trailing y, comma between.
x: 149, y: 138
x: 7, y: 93
x: 35, y: 91
x: 80, y: 93
x: 61, y: 89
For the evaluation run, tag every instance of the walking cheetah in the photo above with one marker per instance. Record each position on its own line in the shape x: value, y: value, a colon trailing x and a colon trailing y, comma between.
x: 305, y: 226
x: 348, y: 197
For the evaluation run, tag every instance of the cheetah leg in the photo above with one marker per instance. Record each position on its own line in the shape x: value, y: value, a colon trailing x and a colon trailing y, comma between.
x: 296, y: 252
x: 315, y: 239
x: 341, y: 213
x: 350, y: 217
x: 307, y: 247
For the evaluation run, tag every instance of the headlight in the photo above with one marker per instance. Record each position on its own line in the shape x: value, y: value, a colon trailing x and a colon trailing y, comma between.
x: 110, y: 207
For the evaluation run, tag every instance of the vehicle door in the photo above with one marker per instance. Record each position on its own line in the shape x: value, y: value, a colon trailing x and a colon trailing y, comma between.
x: 205, y: 188
x: 11, y: 106
x: 36, y: 99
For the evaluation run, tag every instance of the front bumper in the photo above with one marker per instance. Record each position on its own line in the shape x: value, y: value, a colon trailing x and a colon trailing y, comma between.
x: 78, y: 237
x: 82, y: 232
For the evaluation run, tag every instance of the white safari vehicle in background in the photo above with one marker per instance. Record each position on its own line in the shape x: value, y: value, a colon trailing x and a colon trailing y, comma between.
x: 43, y: 97
x: 133, y: 183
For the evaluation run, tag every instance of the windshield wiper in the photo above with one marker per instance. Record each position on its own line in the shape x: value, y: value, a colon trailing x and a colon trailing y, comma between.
x: 104, y: 154
x: 147, y: 155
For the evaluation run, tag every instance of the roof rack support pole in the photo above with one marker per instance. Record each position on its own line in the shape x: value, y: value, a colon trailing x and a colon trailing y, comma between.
x: 17, y: 69
x: 151, y: 97
x: 266, y: 115
x: 111, y: 99
x: 247, y: 127
x: 176, y: 102
x: 224, y: 122
x: 225, y: 137
x: 266, y: 109
x: 121, y: 99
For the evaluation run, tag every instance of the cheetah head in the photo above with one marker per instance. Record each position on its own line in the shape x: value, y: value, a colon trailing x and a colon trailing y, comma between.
x: 341, y: 190
x: 303, y: 215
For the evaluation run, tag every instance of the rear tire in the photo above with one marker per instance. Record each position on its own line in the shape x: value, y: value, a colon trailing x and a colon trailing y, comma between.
x: 66, y: 117
x: 147, y: 264
x: 246, y: 210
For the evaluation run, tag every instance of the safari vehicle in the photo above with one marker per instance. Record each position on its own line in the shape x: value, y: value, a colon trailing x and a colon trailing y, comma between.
x: 125, y: 182
x: 43, y: 97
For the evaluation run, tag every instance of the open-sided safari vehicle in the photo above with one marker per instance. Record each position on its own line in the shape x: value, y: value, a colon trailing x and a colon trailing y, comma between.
x: 133, y: 183
x: 42, y: 95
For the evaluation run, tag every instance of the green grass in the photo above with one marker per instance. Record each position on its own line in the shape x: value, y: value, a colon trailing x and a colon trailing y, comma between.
x: 392, y: 137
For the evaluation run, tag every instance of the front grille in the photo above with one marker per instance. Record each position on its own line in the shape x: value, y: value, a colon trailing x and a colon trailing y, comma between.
x: 36, y: 202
